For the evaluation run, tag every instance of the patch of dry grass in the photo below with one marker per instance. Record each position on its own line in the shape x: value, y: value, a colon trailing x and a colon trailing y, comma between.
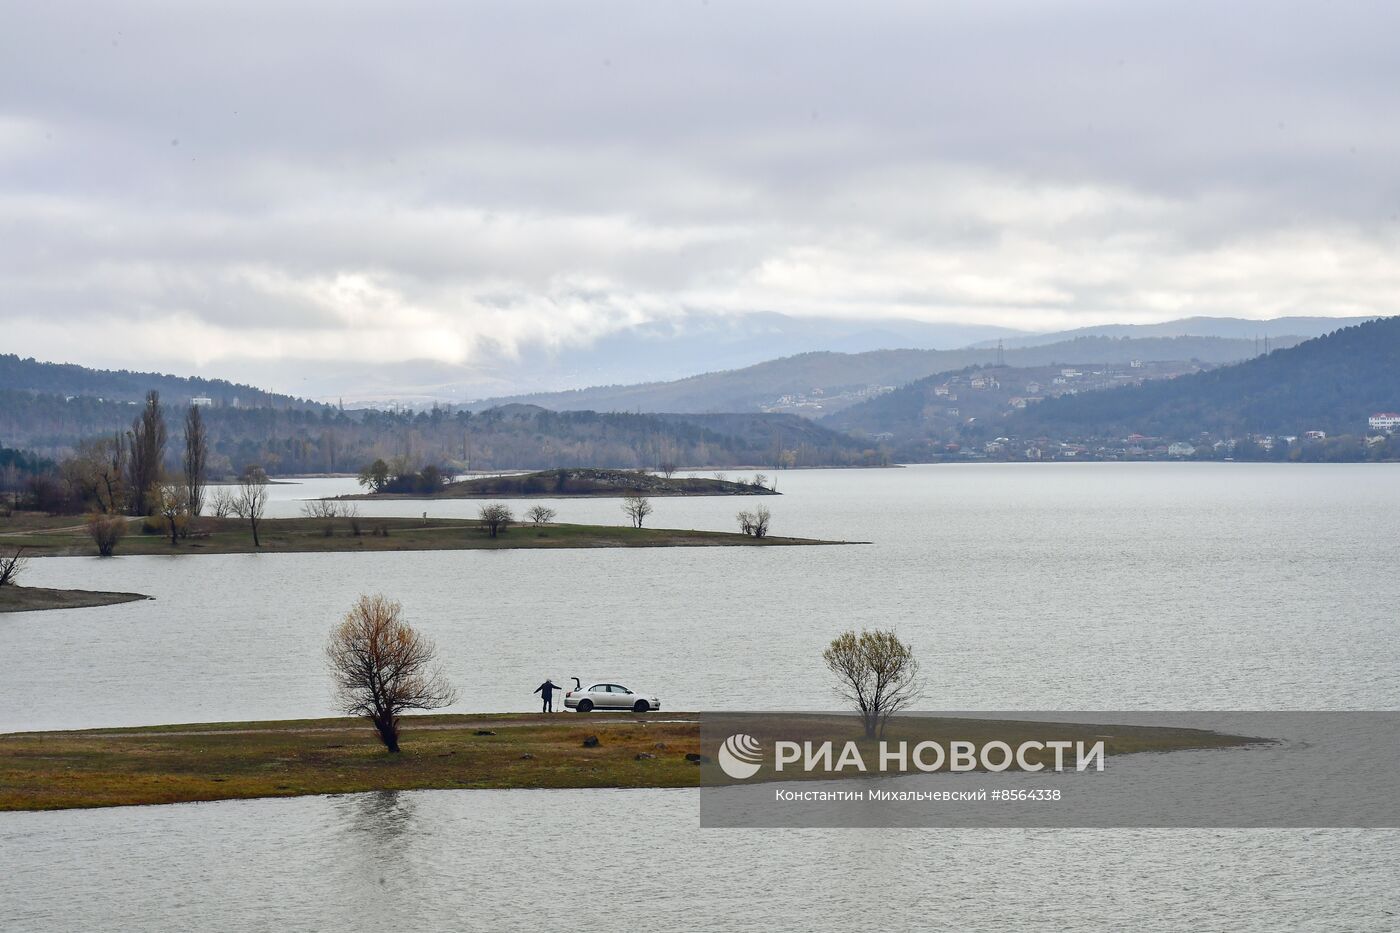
x: 60, y: 770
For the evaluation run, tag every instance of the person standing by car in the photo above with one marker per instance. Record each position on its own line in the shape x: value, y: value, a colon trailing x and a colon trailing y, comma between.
x: 546, y: 691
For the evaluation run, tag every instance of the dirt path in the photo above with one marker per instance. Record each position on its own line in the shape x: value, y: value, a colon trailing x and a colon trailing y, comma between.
x: 46, y: 531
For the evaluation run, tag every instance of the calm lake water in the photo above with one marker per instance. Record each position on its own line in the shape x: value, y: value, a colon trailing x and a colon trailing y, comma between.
x: 1080, y: 586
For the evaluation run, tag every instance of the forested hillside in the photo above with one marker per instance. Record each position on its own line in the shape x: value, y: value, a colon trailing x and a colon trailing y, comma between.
x: 916, y: 420
x: 1329, y: 384
x: 286, y: 441
x: 127, y: 386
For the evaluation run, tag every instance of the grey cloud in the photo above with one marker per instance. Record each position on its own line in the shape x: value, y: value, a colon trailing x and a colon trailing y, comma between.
x: 269, y: 179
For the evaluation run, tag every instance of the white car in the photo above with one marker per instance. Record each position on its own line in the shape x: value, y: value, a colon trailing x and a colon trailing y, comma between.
x: 609, y: 696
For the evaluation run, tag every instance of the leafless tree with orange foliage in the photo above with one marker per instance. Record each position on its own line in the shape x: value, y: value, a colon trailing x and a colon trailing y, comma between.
x: 383, y: 667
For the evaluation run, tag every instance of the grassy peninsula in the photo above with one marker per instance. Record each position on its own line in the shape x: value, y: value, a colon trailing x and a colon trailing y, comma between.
x: 59, y: 536
x: 219, y: 761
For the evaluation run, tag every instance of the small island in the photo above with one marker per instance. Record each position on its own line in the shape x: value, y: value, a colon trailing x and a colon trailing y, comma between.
x: 35, y: 598
x: 222, y: 761
x: 573, y: 483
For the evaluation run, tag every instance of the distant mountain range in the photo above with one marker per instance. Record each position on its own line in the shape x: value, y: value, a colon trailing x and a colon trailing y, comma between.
x: 895, y: 400
x: 829, y: 382
x: 1332, y: 384
x: 1290, y: 328
x: 683, y: 345
x: 651, y: 353
x: 655, y: 351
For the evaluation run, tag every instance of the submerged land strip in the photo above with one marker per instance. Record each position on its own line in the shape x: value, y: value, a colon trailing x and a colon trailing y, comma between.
x: 32, y: 598
x: 58, y: 536
x: 222, y: 761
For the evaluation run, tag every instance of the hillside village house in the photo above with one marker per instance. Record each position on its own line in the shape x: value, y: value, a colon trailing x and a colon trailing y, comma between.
x: 1386, y: 421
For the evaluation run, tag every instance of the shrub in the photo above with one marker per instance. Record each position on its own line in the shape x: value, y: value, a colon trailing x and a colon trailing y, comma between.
x: 106, y: 531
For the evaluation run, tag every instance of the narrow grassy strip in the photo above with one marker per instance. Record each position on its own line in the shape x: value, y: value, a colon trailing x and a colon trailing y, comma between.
x: 219, y: 761
x: 61, y: 537
x: 60, y: 770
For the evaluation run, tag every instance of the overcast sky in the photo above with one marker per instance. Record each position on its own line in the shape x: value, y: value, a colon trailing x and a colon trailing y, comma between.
x: 402, y: 181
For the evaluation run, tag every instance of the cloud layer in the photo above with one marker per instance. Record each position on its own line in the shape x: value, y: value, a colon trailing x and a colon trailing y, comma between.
x: 180, y: 184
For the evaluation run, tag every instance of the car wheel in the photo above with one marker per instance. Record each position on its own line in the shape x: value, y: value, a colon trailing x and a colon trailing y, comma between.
x: 585, y: 706
x: 641, y: 706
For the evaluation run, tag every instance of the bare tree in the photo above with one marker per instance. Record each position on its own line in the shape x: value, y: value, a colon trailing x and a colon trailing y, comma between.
x: 320, y: 508
x: 222, y: 503
x: 98, y: 471
x: 541, y: 515
x: 760, y: 480
x: 250, y: 499
x: 12, y: 566
x: 105, y: 531
x: 383, y: 667
x: 667, y: 468
x: 327, y: 511
x: 496, y: 518
x: 875, y: 671
x: 146, y: 446
x: 637, y: 507
x: 196, y: 459
x: 168, y: 501
x: 755, y: 523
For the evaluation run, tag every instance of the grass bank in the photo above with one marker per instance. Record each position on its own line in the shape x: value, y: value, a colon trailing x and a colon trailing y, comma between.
x: 172, y: 764
x: 32, y: 598
x: 62, y: 770
x: 50, y: 536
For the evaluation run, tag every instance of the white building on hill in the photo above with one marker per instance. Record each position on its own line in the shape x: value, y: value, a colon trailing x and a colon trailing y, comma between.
x: 1386, y: 421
